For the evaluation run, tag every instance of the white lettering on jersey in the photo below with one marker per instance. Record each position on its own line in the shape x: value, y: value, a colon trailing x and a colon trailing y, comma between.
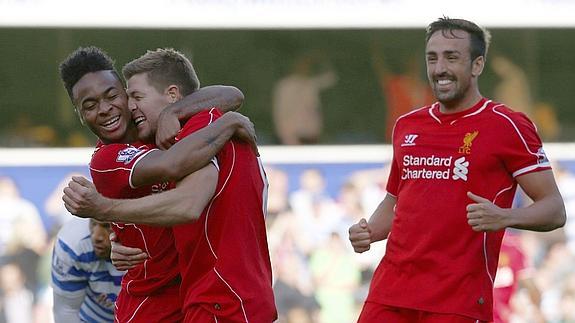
x: 409, y: 140
x: 433, y: 167
x: 460, y: 169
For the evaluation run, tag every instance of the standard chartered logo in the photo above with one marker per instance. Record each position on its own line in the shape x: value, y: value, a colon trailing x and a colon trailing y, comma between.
x: 460, y: 169
x: 434, y: 167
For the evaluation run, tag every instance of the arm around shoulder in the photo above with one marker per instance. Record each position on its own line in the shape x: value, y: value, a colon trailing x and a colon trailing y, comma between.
x: 183, y: 204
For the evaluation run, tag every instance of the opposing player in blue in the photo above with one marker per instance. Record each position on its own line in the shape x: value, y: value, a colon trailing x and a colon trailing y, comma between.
x: 84, y: 281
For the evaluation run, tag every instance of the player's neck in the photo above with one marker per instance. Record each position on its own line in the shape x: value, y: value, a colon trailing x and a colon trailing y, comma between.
x: 462, y: 104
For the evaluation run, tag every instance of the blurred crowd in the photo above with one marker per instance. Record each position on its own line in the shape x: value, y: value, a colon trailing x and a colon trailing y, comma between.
x: 318, y: 277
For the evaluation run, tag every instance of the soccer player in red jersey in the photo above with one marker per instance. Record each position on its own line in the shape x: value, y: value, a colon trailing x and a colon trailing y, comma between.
x: 224, y: 257
x: 123, y: 167
x: 455, y: 170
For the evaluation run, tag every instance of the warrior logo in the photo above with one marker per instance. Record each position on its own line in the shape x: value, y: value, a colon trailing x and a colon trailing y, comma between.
x: 409, y: 140
x: 467, y: 141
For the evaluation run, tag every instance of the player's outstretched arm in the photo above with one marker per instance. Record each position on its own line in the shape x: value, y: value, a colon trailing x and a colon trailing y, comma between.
x: 183, y: 204
x: 546, y: 213
x: 193, y: 152
x: 225, y: 98
x: 363, y: 233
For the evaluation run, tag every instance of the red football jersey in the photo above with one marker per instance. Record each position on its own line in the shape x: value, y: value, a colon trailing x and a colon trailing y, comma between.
x: 111, y: 169
x: 434, y: 261
x: 224, y: 257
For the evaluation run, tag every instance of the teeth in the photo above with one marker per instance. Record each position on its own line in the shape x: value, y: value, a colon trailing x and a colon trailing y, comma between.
x: 139, y: 120
x: 114, y: 120
x: 443, y: 82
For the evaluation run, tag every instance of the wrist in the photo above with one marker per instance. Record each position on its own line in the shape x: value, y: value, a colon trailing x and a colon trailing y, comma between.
x: 509, y: 218
x: 107, y: 210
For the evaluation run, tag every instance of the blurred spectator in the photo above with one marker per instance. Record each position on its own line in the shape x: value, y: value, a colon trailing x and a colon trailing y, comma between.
x: 54, y: 206
x: 293, y: 287
x: 403, y: 90
x: 23, y: 133
x: 566, y: 183
x: 277, y: 192
x: 22, y: 234
x: 17, y: 301
x: 337, y: 277
x: 545, y: 117
x: 297, y: 111
x: 513, y: 87
x: 313, y: 208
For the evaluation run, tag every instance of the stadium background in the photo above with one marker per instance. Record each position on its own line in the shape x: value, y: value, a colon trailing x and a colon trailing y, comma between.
x: 250, y: 45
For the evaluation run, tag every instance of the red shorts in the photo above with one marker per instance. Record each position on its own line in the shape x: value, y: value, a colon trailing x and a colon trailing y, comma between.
x: 378, y: 313
x: 164, y: 307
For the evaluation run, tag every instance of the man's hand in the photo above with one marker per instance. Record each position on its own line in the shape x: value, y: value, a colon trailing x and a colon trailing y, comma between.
x: 83, y: 200
x: 484, y: 215
x: 168, y: 128
x: 246, y: 131
x: 125, y: 258
x: 360, y: 236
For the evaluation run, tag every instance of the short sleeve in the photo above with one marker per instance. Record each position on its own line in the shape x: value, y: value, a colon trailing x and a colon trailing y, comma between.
x: 523, y: 150
x: 112, y: 165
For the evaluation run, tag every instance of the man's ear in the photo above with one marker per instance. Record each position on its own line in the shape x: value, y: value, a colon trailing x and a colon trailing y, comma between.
x: 477, y: 66
x: 173, y: 91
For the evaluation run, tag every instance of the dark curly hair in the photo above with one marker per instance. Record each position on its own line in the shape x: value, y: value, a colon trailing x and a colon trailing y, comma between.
x: 82, y: 61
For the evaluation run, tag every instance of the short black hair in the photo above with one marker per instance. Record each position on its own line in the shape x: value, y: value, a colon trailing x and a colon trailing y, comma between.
x: 82, y: 61
x: 479, y: 37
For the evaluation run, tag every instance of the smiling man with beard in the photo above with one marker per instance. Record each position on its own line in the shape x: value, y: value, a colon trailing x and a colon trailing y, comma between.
x: 444, y: 232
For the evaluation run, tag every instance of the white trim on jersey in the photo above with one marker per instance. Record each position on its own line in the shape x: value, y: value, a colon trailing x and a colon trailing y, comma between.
x: 233, y: 291
x: 501, y: 192
x: 108, y: 170
x: 145, y: 264
x: 136, y: 163
x: 265, y: 190
x: 486, y: 257
x: 137, y: 309
x: 516, y: 129
x: 483, y: 107
x: 216, y: 196
x: 430, y: 111
x: 528, y: 168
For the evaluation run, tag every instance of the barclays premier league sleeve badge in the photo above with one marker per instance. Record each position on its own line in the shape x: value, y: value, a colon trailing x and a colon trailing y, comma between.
x: 126, y: 155
x: 541, y: 157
